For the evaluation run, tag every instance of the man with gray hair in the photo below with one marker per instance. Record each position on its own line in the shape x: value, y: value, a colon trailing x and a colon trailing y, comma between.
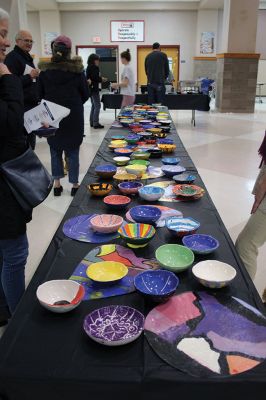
x: 20, y: 62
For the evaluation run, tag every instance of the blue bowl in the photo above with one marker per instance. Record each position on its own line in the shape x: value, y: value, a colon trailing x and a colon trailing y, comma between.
x: 106, y: 170
x: 170, y: 160
x: 145, y: 214
x: 201, y: 244
x: 172, y: 170
x: 130, y: 188
x: 157, y: 285
x: 182, y: 226
x: 151, y: 193
x: 184, y: 178
x: 165, y: 141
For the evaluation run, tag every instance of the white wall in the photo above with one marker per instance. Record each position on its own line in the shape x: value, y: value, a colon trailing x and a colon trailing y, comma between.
x: 34, y: 26
x: 178, y: 27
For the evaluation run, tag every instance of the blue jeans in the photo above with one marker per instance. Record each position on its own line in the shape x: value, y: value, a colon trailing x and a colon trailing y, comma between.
x: 95, y: 108
x: 156, y: 93
x: 13, y: 258
x: 58, y: 167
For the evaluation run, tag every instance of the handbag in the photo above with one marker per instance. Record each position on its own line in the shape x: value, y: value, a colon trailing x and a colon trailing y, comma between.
x: 28, y: 179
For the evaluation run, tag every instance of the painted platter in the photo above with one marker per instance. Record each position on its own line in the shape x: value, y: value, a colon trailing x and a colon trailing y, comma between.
x: 206, y: 335
x: 111, y: 252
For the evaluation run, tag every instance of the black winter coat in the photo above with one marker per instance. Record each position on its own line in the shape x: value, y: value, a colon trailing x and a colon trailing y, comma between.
x: 93, y: 73
x: 12, y: 144
x: 65, y: 83
x: 16, y: 62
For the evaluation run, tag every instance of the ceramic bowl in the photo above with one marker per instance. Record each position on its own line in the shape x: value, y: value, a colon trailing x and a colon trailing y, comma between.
x: 151, y: 193
x: 166, y: 122
x: 60, y: 296
x: 141, y: 155
x: 171, y: 170
x: 126, y: 122
x: 170, y: 160
x: 182, y: 226
x: 106, y: 171
x: 165, y: 129
x: 106, y: 223
x: 155, y: 153
x: 174, y: 257
x: 99, y: 189
x: 123, y: 151
x: 167, y: 148
x: 132, y: 139
x: 187, y: 190
x: 136, y: 169
x: 130, y: 188
x: 161, y: 135
x: 101, y: 325
x: 139, y: 162
x: 118, y: 178
x: 137, y: 235
x: 118, y: 143
x: 118, y: 137
x: 214, y: 274
x: 155, y: 131
x: 184, y: 178
x: 201, y: 244
x: 106, y: 271
x: 117, y: 201
x: 145, y: 214
x: 165, y: 141
x: 121, y: 160
x: 156, y: 285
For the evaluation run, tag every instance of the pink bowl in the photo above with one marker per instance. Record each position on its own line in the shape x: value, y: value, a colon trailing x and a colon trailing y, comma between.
x: 117, y: 201
x: 106, y: 223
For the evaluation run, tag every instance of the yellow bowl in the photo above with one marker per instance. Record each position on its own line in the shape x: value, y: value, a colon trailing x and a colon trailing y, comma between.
x: 118, y: 143
x: 136, y: 169
x: 167, y: 148
x: 107, y: 271
x: 118, y: 178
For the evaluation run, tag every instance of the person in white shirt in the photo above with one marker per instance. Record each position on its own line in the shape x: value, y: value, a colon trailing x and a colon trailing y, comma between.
x: 127, y: 84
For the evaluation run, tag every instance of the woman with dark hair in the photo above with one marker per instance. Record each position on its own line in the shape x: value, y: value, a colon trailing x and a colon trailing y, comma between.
x: 127, y: 84
x: 95, y: 78
x: 253, y: 236
x: 62, y: 81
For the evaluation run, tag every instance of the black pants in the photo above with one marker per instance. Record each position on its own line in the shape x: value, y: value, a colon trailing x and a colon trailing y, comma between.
x: 156, y: 93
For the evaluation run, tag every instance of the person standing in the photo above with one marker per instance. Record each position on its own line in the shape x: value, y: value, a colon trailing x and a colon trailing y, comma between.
x: 253, y: 236
x: 13, y: 237
x: 20, y: 62
x: 127, y: 85
x: 94, y: 77
x: 62, y: 81
x: 157, y: 71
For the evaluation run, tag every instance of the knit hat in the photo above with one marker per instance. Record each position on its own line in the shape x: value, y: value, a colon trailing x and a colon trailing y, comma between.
x: 62, y: 39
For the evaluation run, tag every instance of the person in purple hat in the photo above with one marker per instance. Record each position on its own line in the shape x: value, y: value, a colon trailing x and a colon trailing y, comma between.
x: 253, y: 236
x: 62, y: 81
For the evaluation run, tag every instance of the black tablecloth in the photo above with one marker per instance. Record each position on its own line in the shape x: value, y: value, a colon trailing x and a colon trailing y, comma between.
x: 199, y: 102
x: 48, y: 356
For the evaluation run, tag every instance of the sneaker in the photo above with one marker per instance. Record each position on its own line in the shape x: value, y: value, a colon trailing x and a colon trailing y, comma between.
x: 74, y: 191
x: 58, y: 191
x: 98, y: 126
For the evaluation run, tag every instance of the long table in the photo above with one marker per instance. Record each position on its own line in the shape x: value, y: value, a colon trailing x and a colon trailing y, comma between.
x: 48, y: 356
x: 174, y: 101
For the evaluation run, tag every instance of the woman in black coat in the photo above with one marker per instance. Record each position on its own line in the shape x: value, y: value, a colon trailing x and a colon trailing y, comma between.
x: 63, y: 81
x: 13, y: 238
x: 94, y: 76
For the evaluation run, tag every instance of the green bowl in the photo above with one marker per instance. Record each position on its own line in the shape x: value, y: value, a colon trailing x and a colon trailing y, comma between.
x: 174, y: 257
x: 140, y: 156
x: 139, y: 162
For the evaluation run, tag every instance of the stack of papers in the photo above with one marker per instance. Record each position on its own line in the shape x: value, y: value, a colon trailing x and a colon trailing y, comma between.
x: 46, y: 112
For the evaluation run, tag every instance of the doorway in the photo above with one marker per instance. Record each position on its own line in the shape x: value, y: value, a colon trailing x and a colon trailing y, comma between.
x: 109, y: 60
x: 173, y: 54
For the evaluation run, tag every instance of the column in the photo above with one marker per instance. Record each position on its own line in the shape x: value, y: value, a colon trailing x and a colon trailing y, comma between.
x: 237, y: 65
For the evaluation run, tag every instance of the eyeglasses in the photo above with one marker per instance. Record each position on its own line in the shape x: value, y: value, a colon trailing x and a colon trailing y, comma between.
x: 28, y: 41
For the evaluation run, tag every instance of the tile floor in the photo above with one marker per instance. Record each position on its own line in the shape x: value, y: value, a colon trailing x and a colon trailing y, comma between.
x: 223, y: 147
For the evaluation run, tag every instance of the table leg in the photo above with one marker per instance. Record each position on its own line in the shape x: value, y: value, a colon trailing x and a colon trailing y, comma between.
x: 193, y: 119
x: 115, y: 113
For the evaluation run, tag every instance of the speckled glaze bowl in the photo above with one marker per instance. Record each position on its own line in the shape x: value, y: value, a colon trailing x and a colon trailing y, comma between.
x: 174, y: 257
x: 136, y: 169
x: 99, y: 189
x: 102, y: 325
x: 156, y: 285
x: 106, y: 171
x: 201, y: 244
x: 106, y: 223
x: 145, y: 214
x: 214, y: 274
x: 130, y: 188
x: 182, y: 226
x: 171, y: 170
x: 151, y: 193
x: 117, y: 201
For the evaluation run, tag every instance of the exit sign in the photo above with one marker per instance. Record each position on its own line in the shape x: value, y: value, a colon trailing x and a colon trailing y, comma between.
x: 96, y: 39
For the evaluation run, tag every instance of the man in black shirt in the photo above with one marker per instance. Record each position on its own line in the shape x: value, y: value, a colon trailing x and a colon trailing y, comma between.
x: 157, y: 71
x: 20, y: 63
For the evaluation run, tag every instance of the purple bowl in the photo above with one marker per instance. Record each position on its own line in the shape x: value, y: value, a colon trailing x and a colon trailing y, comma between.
x: 114, y: 325
x: 172, y: 170
x: 130, y: 187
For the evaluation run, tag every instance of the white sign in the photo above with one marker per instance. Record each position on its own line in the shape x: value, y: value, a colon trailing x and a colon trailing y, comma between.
x: 49, y: 37
x: 127, y: 31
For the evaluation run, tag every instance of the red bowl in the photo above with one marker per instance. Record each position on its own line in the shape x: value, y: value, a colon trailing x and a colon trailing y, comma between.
x: 117, y: 201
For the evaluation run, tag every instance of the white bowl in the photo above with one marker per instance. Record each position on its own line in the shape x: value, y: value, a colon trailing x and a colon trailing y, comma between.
x: 214, y: 274
x: 51, y: 293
